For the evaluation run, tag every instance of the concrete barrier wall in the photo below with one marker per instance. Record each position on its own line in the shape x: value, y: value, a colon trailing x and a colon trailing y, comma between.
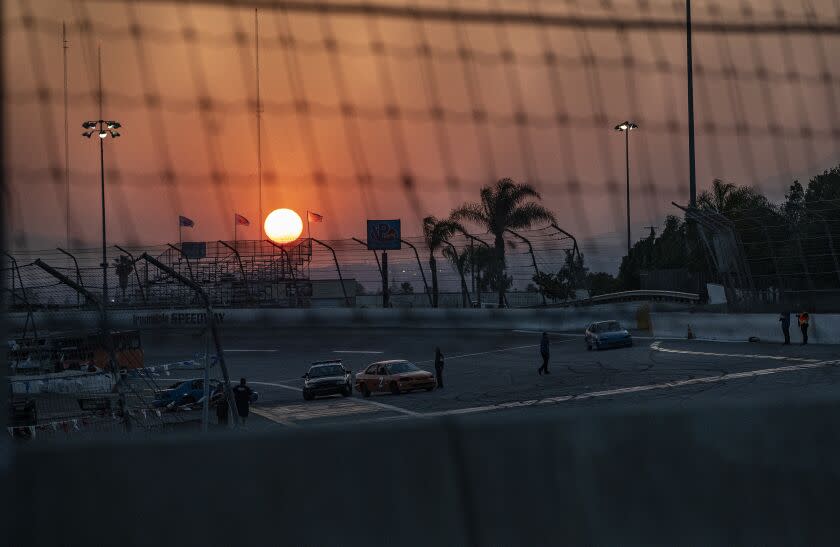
x: 574, y: 319
x: 824, y: 328
x: 719, y: 476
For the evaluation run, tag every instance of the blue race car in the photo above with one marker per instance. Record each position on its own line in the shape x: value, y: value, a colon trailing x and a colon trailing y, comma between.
x: 187, y: 392
x: 607, y: 334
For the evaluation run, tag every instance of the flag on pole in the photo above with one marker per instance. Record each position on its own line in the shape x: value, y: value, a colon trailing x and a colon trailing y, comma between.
x: 241, y: 220
x: 314, y: 217
x: 184, y: 221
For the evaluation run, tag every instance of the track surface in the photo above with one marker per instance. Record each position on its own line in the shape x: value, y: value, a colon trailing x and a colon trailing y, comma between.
x: 496, y: 371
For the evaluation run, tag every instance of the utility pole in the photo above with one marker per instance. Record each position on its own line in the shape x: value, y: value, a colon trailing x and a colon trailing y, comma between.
x: 66, y: 143
x: 259, y: 117
x: 102, y: 183
x: 386, y: 297
x: 692, y: 175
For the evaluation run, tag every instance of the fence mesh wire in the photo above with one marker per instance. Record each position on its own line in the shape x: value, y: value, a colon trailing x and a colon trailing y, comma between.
x: 402, y: 109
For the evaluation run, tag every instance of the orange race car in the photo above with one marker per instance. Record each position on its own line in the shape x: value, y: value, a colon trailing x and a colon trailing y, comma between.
x: 395, y: 376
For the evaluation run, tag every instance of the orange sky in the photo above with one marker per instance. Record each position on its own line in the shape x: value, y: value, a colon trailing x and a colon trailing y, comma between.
x: 579, y: 166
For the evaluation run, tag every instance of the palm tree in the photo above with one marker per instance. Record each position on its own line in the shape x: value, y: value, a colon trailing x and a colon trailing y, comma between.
x: 504, y: 207
x: 461, y: 263
x: 718, y: 198
x: 436, y: 232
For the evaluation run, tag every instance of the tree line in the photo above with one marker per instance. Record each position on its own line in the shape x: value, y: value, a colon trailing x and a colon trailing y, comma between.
x: 790, y: 245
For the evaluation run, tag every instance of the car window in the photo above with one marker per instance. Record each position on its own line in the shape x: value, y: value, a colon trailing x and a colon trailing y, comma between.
x: 371, y: 370
x: 197, y: 384
x: 405, y: 366
x: 381, y: 370
x: 327, y: 370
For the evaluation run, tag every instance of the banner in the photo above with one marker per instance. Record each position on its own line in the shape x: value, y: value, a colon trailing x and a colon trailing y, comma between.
x: 383, y: 235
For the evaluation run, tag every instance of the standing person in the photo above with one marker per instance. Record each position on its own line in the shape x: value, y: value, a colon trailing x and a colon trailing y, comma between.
x: 222, y: 410
x: 439, y: 367
x: 803, y: 326
x: 242, y: 396
x: 544, y: 352
x: 784, y: 317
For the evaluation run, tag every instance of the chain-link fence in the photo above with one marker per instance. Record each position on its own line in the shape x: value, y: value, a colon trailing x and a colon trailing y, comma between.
x: 782, y: 257
x: 90, y: 378
x: 302, y: 274
x: 399, y: 109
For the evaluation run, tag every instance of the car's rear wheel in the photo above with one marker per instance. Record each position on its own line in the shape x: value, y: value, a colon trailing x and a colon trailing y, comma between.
x: 365, y: 391
x: 347, y: 391
x: 395, y: 388
x: 430, y: 388
x: 307, y: 396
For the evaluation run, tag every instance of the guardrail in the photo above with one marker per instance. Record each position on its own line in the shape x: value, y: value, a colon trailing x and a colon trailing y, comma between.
x: 631, y: 296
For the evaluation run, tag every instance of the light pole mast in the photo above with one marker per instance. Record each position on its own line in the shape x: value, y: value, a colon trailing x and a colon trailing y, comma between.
x: 66, y: 145
x: 103, y: 128
x: 626, y: 127
x: 104, y: 245
x: 692, y: 174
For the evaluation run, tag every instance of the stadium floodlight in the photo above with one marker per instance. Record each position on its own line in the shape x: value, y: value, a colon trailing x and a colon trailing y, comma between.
x: 626, y: 127
x: 103, y: 128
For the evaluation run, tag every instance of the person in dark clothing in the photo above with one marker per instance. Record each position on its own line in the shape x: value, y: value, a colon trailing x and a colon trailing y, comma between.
x: 544, y: 352
x: 439, y: 367
x: 784, y: 317
x: 222, y: 411
x: 242, y: 396
x: 803, y: 326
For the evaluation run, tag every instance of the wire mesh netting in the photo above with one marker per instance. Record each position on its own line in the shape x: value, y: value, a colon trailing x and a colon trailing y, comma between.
x: 402, y: 109
x: 396, y: 110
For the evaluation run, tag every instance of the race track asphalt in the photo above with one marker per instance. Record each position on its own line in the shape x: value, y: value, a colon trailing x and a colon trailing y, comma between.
x: 496, y: 372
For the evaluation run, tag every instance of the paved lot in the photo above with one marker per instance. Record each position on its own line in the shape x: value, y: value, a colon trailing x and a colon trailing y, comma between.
x: 496, y: 371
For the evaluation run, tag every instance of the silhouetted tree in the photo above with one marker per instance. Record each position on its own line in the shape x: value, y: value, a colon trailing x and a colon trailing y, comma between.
x: 435, y: 233
x: 461, y: 262
x: 504, y: 206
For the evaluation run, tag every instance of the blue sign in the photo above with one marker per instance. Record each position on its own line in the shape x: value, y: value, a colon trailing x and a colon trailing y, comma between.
x: 383, y: 235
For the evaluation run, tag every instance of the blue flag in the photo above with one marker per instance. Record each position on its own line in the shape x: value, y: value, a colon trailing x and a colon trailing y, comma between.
x: 184, y: 221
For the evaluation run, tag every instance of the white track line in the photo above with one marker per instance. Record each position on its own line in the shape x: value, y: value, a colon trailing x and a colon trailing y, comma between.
x: 366, y: 401
x: 674, y: 338
x: 363, y: 352
x: 806, y: 364
x: 657, y: 347
x: 251, y: 350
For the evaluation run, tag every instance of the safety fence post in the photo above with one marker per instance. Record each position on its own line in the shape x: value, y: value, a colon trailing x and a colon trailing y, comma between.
x: 136, y: 273
x: 211, y: 324
x: 533, y: 258
x: 338, y: 269
x: 422, y: 273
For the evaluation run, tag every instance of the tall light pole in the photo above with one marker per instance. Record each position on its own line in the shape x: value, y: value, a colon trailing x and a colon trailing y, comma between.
x: 692, y: 173
x: 103, y: 128
x: 626, y: 127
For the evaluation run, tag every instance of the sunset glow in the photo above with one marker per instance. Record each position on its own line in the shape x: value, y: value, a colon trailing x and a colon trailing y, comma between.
x: 283, y: 226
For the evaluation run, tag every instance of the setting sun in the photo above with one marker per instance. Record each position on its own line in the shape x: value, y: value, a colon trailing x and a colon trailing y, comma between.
x: 283, y: 226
